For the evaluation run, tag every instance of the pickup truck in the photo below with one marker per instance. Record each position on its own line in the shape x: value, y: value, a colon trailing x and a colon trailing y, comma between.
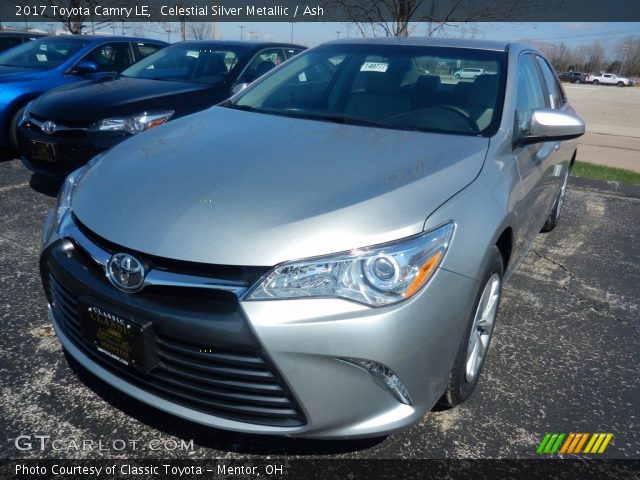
x: 610, y: 79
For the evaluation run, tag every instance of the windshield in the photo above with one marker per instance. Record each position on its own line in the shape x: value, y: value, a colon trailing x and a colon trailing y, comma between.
x: 389, y: 86
x: 41, y: 54
x: 200, y: 63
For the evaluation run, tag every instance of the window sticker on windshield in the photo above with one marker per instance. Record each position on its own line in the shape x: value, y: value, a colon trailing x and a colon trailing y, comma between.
x: 41, y: 57
x: 374, y: 67
x: 302, y: 77
x: 193, y: 53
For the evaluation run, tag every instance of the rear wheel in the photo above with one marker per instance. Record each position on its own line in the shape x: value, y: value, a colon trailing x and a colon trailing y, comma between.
x: 596, y: 82
x: 473, y: 349
x: 457, y: 76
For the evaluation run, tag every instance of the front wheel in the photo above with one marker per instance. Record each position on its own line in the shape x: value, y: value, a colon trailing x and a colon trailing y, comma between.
x: 472, y: 351
x: 12, y: 133
x: 621, y: 84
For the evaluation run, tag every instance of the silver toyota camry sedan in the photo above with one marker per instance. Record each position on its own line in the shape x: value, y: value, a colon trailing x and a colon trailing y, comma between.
x: 322, y: 255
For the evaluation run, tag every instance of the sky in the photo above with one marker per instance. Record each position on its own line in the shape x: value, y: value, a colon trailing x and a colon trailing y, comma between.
x: 315, y: 33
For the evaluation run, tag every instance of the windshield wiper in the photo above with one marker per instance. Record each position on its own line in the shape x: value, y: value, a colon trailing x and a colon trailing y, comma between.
x: 245, y: 108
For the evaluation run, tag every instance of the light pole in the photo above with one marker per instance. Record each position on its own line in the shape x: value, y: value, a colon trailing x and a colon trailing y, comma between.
x: 338, y: 32
x: 241, y: 27
x: 168, y: 30
x: 291, y: 32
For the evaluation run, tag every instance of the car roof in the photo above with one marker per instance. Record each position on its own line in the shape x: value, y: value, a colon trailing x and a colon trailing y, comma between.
x: 104, y: 38
x: 243, y: 43
x: 428, y: 42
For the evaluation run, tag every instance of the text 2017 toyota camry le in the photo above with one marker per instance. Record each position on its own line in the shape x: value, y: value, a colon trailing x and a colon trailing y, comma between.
x: 323, y: 254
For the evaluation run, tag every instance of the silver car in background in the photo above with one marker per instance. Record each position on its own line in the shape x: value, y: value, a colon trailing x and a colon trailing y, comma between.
x: 323, y: 254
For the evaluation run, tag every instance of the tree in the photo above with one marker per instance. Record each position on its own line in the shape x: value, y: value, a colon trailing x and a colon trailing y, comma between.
x: 200, y: 30
x: 77, y: 21
x: 397, y: 18
x: 628, y: 52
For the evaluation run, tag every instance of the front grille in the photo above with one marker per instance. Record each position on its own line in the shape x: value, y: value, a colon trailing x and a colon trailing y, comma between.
x: 248, y: 275
x: 230, y: 384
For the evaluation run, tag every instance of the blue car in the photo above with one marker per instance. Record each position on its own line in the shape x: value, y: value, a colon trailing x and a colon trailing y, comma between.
x: 32, y: 68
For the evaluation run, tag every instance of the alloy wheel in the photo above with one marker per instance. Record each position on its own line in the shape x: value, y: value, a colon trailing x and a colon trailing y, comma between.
x: 482, y: 327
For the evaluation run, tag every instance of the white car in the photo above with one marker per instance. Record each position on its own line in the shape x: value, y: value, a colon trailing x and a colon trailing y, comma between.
x: 469, y: 73
x: 610, y: 79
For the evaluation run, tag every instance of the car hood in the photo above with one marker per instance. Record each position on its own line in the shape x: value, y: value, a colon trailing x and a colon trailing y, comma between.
x: 15, y: 74
x: 238, y: 188
x: 106, y: 97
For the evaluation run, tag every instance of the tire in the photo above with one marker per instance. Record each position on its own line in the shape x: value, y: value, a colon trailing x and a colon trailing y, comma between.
x: 466, y: 372
x: 12, y: 132
x: 554, y: 216
x: 621, y: 84
x: 457, y: 76
x: 596, y: 82
x: 578, y: 81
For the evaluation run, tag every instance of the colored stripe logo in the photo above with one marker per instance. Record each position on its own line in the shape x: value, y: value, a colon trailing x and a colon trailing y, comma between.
x: 574, y: 443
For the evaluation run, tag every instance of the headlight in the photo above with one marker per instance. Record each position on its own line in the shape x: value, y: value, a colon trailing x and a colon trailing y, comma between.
x: 375, y: 276
x: 133, y: 124
x: 63, y: 202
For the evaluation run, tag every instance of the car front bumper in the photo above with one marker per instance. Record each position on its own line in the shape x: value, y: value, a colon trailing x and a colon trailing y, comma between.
x: 67, y: 150
x: 306, y: 343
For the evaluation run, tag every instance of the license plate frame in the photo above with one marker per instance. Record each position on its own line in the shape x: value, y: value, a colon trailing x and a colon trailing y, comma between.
x: 116, y: 335
x: 43, y: 151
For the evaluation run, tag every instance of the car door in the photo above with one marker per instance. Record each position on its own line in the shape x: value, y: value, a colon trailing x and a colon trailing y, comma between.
x: 562, y: 151
x: 534, y: 160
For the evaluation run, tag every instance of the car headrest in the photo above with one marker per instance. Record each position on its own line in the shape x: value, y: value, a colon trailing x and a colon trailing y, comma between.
x: 484, y: 91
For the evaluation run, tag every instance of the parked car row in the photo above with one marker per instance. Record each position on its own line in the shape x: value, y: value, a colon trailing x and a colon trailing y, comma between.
x: 603, y: 78
x: 32, y: 68
x: 610, y: 79
x: 63, y: 128
x: 320, y: 255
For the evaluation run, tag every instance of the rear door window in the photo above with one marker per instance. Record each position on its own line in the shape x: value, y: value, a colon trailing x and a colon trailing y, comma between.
x: 142, y: 49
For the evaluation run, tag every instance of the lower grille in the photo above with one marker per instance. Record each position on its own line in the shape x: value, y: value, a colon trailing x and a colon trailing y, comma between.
x: 235, y: 385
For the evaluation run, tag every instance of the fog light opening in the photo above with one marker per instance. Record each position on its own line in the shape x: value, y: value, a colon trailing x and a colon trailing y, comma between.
x: 385, y: 377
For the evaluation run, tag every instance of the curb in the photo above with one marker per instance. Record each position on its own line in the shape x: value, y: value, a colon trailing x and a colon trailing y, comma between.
x: 624, y: 189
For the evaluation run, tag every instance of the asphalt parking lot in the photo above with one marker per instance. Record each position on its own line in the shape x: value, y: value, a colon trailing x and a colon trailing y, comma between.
x: 565, y: 356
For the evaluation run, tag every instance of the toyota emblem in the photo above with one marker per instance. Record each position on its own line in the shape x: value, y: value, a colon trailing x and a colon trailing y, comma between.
x: 125, y: 272
x: 49, y: 127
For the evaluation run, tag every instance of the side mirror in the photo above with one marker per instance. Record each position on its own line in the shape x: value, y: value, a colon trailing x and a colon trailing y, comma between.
x: 238, y: 88
x: 549, y: 125
x: 84, y: 67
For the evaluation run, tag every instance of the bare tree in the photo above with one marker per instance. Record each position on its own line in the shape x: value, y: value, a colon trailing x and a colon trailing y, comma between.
x: 627, y: 51
x: 593, y: 57
x: 200, y: 30
x: 78, y: 20
x: 397, y: 18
